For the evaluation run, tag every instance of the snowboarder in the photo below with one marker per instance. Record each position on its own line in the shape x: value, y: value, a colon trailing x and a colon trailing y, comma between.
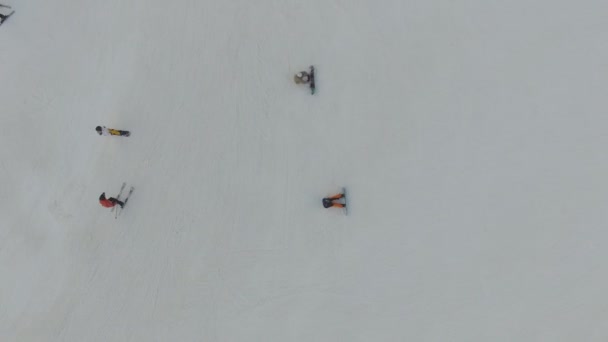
x: 102, y: 130
x: 3, y: 17
x: 302, y: 77
x: 306, y: 77
x: 332, y: 201
x: 110, y: 202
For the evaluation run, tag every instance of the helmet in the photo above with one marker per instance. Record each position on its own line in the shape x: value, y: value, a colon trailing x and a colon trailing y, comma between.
x: 103, y: 196
x: 98, y: 129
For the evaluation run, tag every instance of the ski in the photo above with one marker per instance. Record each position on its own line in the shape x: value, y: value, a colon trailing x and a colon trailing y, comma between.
x: 119, y: 193
x: 125, y: 201
x: 6, y: 17
x: 312, y: 80
x: 129, y: 194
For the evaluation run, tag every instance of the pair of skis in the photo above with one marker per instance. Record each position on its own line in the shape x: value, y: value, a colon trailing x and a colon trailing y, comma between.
x: 118, y: 210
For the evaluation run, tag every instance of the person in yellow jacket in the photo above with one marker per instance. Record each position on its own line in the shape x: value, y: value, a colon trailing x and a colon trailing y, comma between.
x: 103, y: 130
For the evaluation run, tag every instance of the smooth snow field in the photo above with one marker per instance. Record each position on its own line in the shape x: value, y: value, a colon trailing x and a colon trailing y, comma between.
x: 471, y: 136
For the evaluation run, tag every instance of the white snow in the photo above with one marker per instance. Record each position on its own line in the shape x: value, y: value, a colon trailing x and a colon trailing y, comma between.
x: 471, y: 136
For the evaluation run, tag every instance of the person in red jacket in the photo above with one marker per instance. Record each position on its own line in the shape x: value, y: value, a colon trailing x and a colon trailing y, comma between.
x: 109, y: 202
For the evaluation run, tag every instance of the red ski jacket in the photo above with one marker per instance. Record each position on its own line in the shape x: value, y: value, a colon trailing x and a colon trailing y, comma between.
x: 106, y: 202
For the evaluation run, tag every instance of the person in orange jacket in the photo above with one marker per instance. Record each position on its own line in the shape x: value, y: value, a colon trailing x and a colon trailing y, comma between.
x: 109, y: 202
x: 331, y: 202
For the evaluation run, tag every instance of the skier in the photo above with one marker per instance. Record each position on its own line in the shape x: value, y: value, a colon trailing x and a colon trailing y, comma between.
x: 3, y: 17
x: 302, y: 77
x: 109, y: 202
x: 102, y: 130
x: 329, y: 202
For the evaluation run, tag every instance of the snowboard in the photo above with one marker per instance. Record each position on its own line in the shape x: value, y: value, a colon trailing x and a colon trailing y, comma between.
x: 345, y: 201
x: 7, y: 16
x: 312, y: 80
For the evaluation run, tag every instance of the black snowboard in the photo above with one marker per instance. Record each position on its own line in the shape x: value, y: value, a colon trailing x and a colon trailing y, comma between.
x: 312, y: 80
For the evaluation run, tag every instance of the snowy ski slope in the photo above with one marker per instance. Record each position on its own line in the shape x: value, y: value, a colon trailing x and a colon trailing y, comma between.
x: 471, y: 136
